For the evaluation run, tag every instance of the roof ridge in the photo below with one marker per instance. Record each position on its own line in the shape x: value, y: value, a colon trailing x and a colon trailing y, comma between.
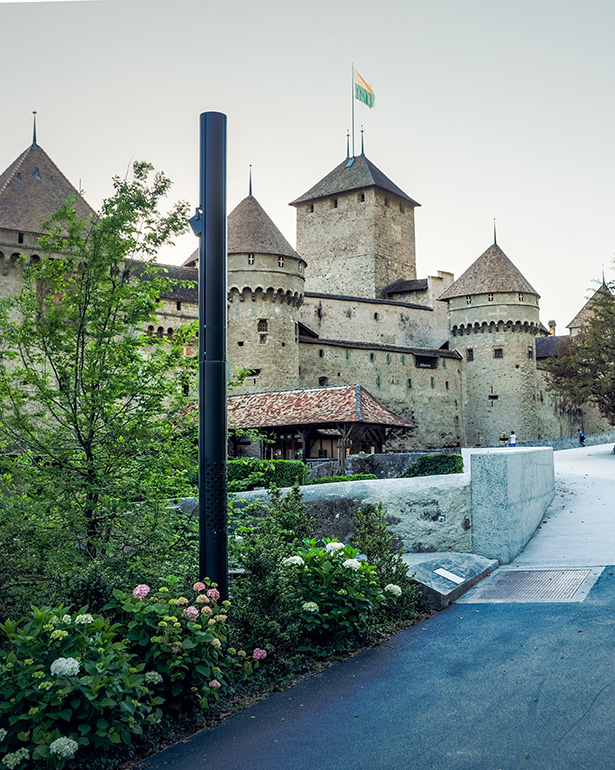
x: 17, y: 164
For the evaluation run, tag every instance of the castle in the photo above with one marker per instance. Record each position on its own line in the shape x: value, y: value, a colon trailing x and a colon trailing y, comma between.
x: 341, y: 327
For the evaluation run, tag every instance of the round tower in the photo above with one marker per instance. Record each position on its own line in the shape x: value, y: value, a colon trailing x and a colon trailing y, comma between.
x: 493, y: 323
x: 265, y: 284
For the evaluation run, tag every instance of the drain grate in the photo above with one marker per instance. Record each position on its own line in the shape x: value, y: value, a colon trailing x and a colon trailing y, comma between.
x: 531, y: 586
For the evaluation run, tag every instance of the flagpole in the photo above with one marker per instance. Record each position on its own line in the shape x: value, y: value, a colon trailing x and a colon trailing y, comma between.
x: 352, y: 109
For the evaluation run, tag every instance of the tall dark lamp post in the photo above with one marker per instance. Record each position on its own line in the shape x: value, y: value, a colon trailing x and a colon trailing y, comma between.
x: 210, y: 223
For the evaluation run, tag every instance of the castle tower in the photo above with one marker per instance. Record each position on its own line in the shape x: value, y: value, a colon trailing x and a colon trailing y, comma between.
x: 265, y: 282
x: 31, y: 189
x: 493, y: 323
x: 355, y: 228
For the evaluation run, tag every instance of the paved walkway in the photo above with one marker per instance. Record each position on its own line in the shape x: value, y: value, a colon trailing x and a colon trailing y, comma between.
x: 497, y: 686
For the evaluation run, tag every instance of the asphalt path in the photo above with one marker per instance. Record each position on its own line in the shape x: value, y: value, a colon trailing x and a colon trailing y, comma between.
x: 475, y: 687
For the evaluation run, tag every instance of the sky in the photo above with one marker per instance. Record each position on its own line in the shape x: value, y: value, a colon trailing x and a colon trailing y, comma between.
x: 484, y: 108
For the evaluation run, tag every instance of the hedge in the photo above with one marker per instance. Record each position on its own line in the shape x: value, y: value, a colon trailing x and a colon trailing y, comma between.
x: 434, y: 465
x: 333, y: 479
x: 249, y: 472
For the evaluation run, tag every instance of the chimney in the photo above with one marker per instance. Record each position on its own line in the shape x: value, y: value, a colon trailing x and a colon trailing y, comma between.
x: 552, y: 328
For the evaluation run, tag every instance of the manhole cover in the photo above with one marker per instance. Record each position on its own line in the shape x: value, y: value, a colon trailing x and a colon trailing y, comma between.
x: 532, y: 586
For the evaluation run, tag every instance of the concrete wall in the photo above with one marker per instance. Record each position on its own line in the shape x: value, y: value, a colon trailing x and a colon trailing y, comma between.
x: 492, y: 511
x: 510, y: 491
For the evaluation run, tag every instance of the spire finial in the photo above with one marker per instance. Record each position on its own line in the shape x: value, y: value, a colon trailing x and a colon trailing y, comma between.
x: 495, y: 236
x: 347, y: 143
x: 603, y: 281
x: 250, y: 186
x: 34, y: 144
x: 362, y: 143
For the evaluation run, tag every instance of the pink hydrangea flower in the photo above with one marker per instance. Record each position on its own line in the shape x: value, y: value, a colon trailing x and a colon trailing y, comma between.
x: 211, y: 622
x: 202, y: 599
x: 259, y: 654
x: 191, y: 612
x: 214, y: 594
x: 216, y: 643
x: 206, y: 611
x: 199, y: 586
x: 141, y: 591
x: 214, y: 684
x: 182, y: 600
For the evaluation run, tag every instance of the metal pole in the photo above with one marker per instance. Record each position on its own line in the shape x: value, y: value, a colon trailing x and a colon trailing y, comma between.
x: 213, y: 558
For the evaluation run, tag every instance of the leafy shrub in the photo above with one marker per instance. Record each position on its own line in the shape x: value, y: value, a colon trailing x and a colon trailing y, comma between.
x: 182, y: 639
x: 434, y: 465
x: 69, y: 686
x: 376, y: 542
x: 249, y: 472
x: 266, y: 596
x: 354, y: 477
x: 339, y: 595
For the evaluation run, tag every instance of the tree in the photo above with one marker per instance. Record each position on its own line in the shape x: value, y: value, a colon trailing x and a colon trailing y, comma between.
x: 584, y: 372
x: 92, y: 409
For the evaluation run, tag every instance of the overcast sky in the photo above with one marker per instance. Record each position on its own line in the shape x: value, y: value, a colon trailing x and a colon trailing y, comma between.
x: 484, y: 108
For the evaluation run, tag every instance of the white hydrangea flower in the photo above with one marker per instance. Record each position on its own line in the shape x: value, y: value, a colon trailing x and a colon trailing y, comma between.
x: 153, y: 677
x: 14, y: 759
x: 354, y: 564
x: 64, y: 747
x: 3, y: 733
x: 333, y: 547
x: 65, y: 667
x: 84, y: 619
x: 66, y: 619
x: 393, y: 589
x: 310, y: 607
x: 292, y: 560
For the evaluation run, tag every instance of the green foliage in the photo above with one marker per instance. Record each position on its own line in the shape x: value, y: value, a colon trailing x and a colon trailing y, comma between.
x: 266, y: 597
x: 584, y: 371
x: 340, y: 595
x: 375, y: 540
x: 183, y: 639
x: 434, y: 465
x: 249, y: 472
x: 69, y: 686
x: 92, y: 409
x: 354, y: 477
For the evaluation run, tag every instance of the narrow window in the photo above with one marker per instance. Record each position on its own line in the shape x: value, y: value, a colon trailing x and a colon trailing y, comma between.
x: 444, y: 363
x: 262, y: 339
x: 468, y: 300
x: 250, y: 259
x: 160, y: 332
x: 311, y: 208
x: 300, y: 266
x: 362, y: 198
x: 446, y: 384
x: 178, y: 305
x: 388, y: 358
x: 490, y: 297
x: 402, y: 358
x: 498, y: 353
x: 280, y: 261
x: 19, y: 237
x: 321, y: 353
x: 372, y: 356
x: 170, y: 333
x: 530, y: 352
x: 378, y: 381
x: 470, y: 354
x: 37, y: 173
x: 401, y: 208
x: 386, y: 202
x: 263, y: 326
x: 520, y: 297
x: 334, y: 203
x: 433, y: 382
x: 409, y: 383
x: 375, y: 316
x: 347, y: 355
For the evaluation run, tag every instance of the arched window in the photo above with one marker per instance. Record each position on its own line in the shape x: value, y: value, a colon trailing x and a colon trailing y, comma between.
x: 170, y: 333
x: 160, y: 332
x: 150, y: 331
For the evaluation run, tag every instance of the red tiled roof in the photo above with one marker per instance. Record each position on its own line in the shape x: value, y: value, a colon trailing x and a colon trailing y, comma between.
x: 310, y: 406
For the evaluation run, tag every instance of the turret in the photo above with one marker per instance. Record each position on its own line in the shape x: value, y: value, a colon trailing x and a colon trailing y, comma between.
x: 493, y: 323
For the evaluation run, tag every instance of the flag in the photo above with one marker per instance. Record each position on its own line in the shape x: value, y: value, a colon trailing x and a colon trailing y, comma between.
x: 362, y: 90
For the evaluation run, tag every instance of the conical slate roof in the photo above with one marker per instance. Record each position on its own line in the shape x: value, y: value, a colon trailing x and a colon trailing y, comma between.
x: 492, y: 272
x: 586, y: 312
x: 251, y: 231
x: 356, y: 175
x: 32, y: 189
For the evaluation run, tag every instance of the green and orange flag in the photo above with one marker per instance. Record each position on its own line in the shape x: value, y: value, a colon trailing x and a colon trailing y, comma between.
x: 362, y: 90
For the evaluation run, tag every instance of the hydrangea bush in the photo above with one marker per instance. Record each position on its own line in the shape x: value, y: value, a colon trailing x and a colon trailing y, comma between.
x: 183, y: 639
x: 69, y: 689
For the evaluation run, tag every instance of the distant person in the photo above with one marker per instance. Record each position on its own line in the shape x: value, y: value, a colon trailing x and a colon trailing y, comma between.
x: 513, y: 439
x: 581, y: 437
